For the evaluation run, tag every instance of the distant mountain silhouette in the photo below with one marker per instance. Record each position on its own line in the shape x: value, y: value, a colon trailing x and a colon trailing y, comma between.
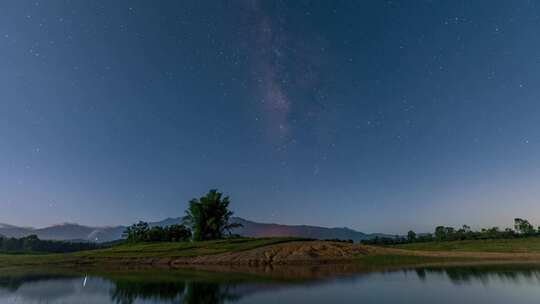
x: 13, y: 231
x: 65, y: 232
x: 254, y: 229
x: 76, y: 232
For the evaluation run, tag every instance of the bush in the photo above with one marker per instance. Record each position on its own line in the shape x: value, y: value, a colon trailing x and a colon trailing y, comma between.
x: 141, y: 232
x: 522, y: 229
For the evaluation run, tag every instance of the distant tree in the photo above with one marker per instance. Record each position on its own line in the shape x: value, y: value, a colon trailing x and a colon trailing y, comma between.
x: 463, y: 233
x: 450, y: 234
x: 508, y: 233
x: 136, y: 232
x: 178, y: 233
x: 142, y: 232
x: 523, y: 226
x: 155, y: 234
x: 411, y: 236
x: 493, y: 232
x: 440, y: 233
x: 428, y: 237
x: 32, y: 244
x: 209, y: 216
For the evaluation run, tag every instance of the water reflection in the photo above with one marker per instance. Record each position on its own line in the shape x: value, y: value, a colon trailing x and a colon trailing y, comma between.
x: 127, y: 292
x: 209, y: 293
x: 128, y: 288
x: 25, y: 287
x: 13, y: 282
x: 464, y: 275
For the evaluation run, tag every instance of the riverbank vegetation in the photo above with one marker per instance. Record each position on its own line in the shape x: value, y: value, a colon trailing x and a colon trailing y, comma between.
x: 522, y: 229
x: 209, y: 217
x: 128, y: 254
x: 285, y: 251
x: 142, y: 232
x: 32, y: 244
x: 515, y: 245
x: 206, y: 218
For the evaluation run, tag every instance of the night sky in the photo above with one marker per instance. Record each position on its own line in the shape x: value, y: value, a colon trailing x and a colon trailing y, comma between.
x: 381, y: 116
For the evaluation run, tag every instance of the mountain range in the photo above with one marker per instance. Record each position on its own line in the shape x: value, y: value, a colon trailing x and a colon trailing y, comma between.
x: 76, y: 232
x: 254, y: 229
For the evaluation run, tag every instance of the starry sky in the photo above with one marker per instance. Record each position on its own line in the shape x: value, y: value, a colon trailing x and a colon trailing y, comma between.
x: 381, y: 116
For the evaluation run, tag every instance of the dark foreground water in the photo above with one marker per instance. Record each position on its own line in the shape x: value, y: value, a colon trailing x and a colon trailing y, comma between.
x: 500, y: 284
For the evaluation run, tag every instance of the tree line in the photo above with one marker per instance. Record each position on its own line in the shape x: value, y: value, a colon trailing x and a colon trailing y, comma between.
x: 142, y: 232
x: 522, y: 228
x: 32, y: 244
x: 206, y: 218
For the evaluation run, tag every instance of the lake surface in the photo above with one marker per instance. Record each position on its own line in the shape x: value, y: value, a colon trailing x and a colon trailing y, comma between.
x: 500, y: 284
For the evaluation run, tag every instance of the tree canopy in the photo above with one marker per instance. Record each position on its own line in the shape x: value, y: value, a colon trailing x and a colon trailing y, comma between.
x: 142, y: 232
x: 209, y: 216
x: 522, y: 228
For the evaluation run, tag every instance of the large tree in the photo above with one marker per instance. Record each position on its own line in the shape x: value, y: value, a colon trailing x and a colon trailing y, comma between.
x: 523, y: 226
x: 411, y: 236
x: 136, y: 232
x: 209, y: 216
x: 440, y: 233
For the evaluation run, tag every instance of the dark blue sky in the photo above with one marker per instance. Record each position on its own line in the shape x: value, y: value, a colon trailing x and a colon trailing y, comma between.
x: 377, y: 115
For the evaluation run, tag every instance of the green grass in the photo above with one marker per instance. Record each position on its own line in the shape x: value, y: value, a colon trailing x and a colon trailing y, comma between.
x: 145, y: 254
x: 521, y: 245
x: 185, y: 249
x: 140, y: 251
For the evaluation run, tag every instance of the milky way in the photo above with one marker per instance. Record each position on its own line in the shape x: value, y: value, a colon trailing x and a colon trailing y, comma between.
x: 382, y: 116
x: 283, y: 63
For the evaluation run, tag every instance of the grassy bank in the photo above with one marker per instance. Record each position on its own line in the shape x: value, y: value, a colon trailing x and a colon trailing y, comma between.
x: 520, y: 245
x: 185, y: 249
x: 294, y: 250
x: 128, y: 253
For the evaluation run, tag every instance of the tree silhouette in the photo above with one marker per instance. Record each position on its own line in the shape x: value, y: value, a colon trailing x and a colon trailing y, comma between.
x: 141, y: 232
x: 411, y: 236
x: 209, y: 216
x: 523, y: 226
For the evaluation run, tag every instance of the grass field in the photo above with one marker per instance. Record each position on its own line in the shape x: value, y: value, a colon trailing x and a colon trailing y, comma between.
x: 141, y: 251
x: 521, y: 245
x: 152, y: 254
x: 185, y: 249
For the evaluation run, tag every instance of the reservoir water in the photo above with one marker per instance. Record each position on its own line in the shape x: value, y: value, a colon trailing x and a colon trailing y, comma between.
x: 494, y: 284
